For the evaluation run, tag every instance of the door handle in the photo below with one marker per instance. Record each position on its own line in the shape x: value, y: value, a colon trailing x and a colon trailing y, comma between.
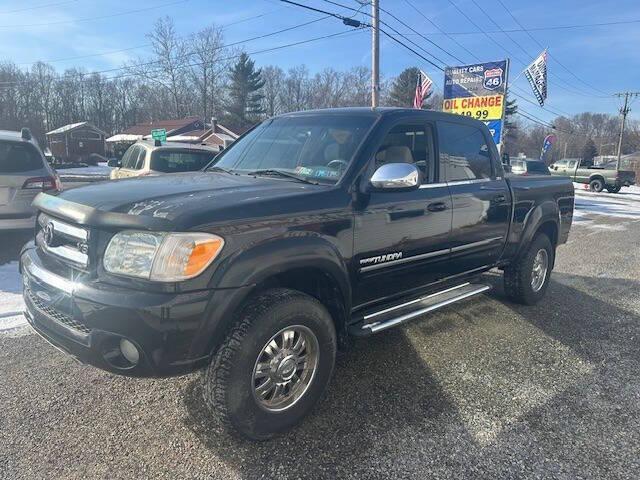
x: 437, y: 207
x: 499, y: 199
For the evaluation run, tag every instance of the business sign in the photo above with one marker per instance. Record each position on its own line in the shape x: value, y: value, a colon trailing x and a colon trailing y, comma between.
x: 159, y: 134
x: 478, y: 91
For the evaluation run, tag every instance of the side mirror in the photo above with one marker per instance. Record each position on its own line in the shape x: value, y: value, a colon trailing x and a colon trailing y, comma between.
x: 396, y: 176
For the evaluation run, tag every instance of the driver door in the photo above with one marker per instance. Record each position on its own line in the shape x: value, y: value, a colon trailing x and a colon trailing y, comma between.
x: 401, y: 238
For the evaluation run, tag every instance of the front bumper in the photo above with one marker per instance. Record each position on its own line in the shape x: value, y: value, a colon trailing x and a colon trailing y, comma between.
x: 87, y: 320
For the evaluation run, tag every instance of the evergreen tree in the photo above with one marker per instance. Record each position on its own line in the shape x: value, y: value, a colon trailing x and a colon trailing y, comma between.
x: 510, y: 133
x: 245, y: 103
x: 403, y: 88
x: 589, y: 151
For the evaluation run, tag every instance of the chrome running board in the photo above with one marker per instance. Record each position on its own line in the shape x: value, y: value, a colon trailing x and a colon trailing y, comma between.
x: 396, y: 315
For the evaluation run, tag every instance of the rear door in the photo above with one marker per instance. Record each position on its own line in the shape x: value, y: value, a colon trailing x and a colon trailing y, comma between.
x: 401, y: 239
x: 19, y: 162
x: 480, y: 195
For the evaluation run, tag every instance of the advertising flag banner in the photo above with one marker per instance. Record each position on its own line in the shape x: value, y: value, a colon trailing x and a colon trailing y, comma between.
x: 536, y: 74
x: 478, y: 91
x: 549, y: 140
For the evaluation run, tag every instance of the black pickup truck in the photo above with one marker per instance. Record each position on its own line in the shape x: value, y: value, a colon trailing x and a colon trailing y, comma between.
x: 312, y: 229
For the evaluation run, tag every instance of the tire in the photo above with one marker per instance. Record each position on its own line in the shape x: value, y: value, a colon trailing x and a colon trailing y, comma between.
x: 596, y: 185
x: 519, y: 276
x: 614, y: 189
x: 230, y: 380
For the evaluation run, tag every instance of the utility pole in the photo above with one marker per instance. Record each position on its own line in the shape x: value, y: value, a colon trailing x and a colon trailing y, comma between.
x: 624, y: 111
x: 375, y: 53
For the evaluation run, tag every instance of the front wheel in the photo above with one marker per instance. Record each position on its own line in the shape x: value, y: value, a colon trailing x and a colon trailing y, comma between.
x: 274, y: 365
x: 596, y: 185
x: 527, y: 279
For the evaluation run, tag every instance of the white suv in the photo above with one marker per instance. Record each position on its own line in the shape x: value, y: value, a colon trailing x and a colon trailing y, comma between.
x: 147, y: 158
x: 24, y: 173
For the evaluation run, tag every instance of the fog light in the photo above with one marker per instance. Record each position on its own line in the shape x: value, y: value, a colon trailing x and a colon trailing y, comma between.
x: 129, y: 351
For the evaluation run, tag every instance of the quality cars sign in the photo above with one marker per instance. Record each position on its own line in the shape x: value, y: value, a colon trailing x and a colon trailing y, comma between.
x: 478, y: 91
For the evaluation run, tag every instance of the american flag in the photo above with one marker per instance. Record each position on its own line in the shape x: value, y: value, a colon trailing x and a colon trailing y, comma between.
x: 423, y: 88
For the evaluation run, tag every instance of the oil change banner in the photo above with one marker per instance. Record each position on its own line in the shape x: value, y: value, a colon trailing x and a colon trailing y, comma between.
x: 478, y: 91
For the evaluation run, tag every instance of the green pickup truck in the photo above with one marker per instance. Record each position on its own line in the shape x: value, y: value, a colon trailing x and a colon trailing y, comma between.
x: 598, y: 177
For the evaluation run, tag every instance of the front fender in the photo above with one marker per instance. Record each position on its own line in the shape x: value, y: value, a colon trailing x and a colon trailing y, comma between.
x: 254, y: 265
x: 233, y: 282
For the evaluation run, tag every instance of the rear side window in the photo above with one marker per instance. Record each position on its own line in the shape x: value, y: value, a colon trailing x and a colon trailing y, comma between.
x: 537, y: 167
x: 172, y: 162
x: 19, y: 157
x: 464, y: 153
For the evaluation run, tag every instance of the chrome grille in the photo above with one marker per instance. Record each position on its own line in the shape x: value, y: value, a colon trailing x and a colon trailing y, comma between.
x: 56, y: 315
x: 64, y: 240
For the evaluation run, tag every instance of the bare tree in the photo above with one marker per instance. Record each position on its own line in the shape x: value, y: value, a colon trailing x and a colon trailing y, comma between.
x: 274, y: 78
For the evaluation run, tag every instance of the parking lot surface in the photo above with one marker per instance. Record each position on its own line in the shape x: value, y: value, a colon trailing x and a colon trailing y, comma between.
x: 485, y: 389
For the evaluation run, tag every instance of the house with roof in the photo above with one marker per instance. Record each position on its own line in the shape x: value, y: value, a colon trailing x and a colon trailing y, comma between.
x: 185, y: 130
x: 76, y: 142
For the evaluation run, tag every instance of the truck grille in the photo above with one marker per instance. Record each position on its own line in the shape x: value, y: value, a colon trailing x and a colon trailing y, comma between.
x: 63, y: 240
x: 56, y: 315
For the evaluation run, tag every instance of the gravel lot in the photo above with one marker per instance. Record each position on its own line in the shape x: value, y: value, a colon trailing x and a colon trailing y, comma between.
x: 486, y: 389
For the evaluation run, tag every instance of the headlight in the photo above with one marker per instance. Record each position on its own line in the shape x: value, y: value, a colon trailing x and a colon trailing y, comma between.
x: 161, y: 256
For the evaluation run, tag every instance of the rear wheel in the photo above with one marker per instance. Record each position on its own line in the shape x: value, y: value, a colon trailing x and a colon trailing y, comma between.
x: 596, y: 185
x: 614, y: 189
x: 527, y: 279
x: 274, y: 365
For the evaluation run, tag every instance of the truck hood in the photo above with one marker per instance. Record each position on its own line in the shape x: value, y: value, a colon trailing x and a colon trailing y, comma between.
x: 186, y: 200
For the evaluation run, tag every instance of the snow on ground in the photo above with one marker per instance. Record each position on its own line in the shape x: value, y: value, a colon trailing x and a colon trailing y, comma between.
x: 11, y: 305
x: 623, y: 205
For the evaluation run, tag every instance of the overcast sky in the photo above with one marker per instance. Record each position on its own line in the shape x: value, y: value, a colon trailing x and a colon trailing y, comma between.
x: 606, y: 57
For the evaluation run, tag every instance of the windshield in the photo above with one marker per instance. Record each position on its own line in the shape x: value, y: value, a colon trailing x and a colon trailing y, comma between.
x: 318, y: 147
x: 180, y: 161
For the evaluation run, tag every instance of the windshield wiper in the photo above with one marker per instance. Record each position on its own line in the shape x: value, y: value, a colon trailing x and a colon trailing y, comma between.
x: 220, y: 169
x: 282, y: 173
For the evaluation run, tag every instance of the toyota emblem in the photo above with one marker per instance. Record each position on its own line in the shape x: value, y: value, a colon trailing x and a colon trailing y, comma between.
x: 48, y: 234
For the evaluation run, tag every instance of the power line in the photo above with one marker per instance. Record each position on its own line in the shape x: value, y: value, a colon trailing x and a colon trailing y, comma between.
x: 400, y: 34
x: 419, y: 34
x: 110, y: 70
x: 101, y: 17
x: 441, y: 31
x: 551, y: 56
x: 36, y: 7
x: 553, y: 27
x: 136, y: 47
x: 256, y: 52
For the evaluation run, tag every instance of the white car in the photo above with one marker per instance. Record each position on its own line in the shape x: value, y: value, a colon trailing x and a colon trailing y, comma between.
x: 147, y: 158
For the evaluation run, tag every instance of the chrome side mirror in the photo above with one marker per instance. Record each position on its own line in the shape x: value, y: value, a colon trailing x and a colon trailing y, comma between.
x: 396, y: 176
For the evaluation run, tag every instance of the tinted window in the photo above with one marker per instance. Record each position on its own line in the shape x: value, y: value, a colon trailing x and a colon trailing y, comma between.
x: 464, y: 153
x: 18, y: 157
x: 311, y: 146
x: 537, y: 167
x: 407, y: 144
x: 168, y: 161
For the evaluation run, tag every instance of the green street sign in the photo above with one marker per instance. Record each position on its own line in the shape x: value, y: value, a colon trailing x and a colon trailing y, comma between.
x: 159, y: 134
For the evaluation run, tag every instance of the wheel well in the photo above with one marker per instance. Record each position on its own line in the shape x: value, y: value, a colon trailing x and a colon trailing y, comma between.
x: 597, y: 177
x: 550, y: 229
x: 318, y: 284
